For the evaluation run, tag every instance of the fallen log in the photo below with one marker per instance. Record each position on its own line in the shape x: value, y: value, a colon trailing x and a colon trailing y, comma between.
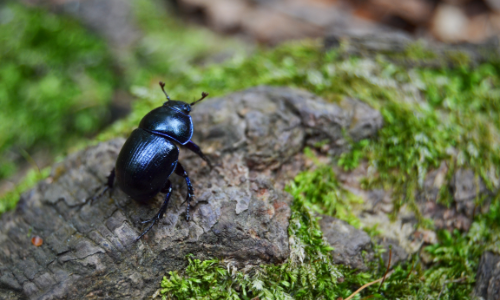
x: 240, y: 213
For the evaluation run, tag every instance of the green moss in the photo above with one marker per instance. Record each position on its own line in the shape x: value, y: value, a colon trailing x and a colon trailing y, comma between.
x: 55, y: 82
x: 458, y: 58
x: 456, y: 257
x: 320, y: 190
x: 417, y: 51
x: 10, y: 199
x: 350, y: 160
x: 457, y: 122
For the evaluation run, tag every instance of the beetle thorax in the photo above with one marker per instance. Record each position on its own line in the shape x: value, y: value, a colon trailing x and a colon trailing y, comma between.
x: 170, y: 122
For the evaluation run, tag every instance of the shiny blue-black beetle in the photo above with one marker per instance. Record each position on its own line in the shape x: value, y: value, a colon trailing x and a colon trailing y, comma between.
x: 150, y: 156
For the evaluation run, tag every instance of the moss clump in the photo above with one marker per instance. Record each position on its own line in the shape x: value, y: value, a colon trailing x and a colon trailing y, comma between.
x: 456, y: 257
x: 417, y: 52
x: 10, y: 199
x: 328, y: 196
x: 456, y: 122
x: 308, y: 274
x: 55, y: 82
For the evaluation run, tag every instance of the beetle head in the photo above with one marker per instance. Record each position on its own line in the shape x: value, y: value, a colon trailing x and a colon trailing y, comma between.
x: 180, y: 105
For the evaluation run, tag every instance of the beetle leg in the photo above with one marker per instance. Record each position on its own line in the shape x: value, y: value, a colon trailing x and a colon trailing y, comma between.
x: 163, y: 209
x: 196, y: 149
x: 179, y: 170
x: 109, y: 186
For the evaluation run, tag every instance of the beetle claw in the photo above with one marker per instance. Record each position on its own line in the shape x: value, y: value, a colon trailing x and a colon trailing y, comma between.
x: 159, y: 214
x: 91, y: 199
x: 108, y: 186
x: 147, y: 230
x: 148, y: 221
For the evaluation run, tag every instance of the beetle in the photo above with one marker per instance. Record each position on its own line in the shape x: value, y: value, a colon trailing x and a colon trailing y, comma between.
x: 150, y: 155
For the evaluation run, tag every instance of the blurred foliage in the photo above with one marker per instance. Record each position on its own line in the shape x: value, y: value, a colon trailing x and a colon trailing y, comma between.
x: 56, y: 80
x: 169, y: 47
x: 10, y: 199
x: 430, y: 116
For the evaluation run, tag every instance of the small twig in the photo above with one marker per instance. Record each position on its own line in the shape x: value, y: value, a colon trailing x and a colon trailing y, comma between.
x: 30, y: 160
x: 381, y: 280
x: 367, y: 285
x: 474, y: 212
x: 411, y: 270
x: 387, y: 270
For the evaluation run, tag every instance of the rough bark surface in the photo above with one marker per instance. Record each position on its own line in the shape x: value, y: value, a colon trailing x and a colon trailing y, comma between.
x: 348, y: 242
x: 403, y: 234
x: 240, y: 213
x: 465, y: 186
x: 488, y: 277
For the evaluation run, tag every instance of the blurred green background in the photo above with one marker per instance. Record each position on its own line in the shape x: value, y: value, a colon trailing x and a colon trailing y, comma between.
x: 61, y: 82
x: 56, y: 81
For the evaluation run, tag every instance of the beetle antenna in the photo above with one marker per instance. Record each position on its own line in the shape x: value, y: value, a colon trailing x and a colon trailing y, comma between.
x: 162, y: 84
x: 203, y: 96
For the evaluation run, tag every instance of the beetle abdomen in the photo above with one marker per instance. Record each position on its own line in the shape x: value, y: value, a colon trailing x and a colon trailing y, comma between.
x: 144, y: 164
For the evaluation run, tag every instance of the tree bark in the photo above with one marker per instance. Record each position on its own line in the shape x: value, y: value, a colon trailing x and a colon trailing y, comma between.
x: 240, y: 213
